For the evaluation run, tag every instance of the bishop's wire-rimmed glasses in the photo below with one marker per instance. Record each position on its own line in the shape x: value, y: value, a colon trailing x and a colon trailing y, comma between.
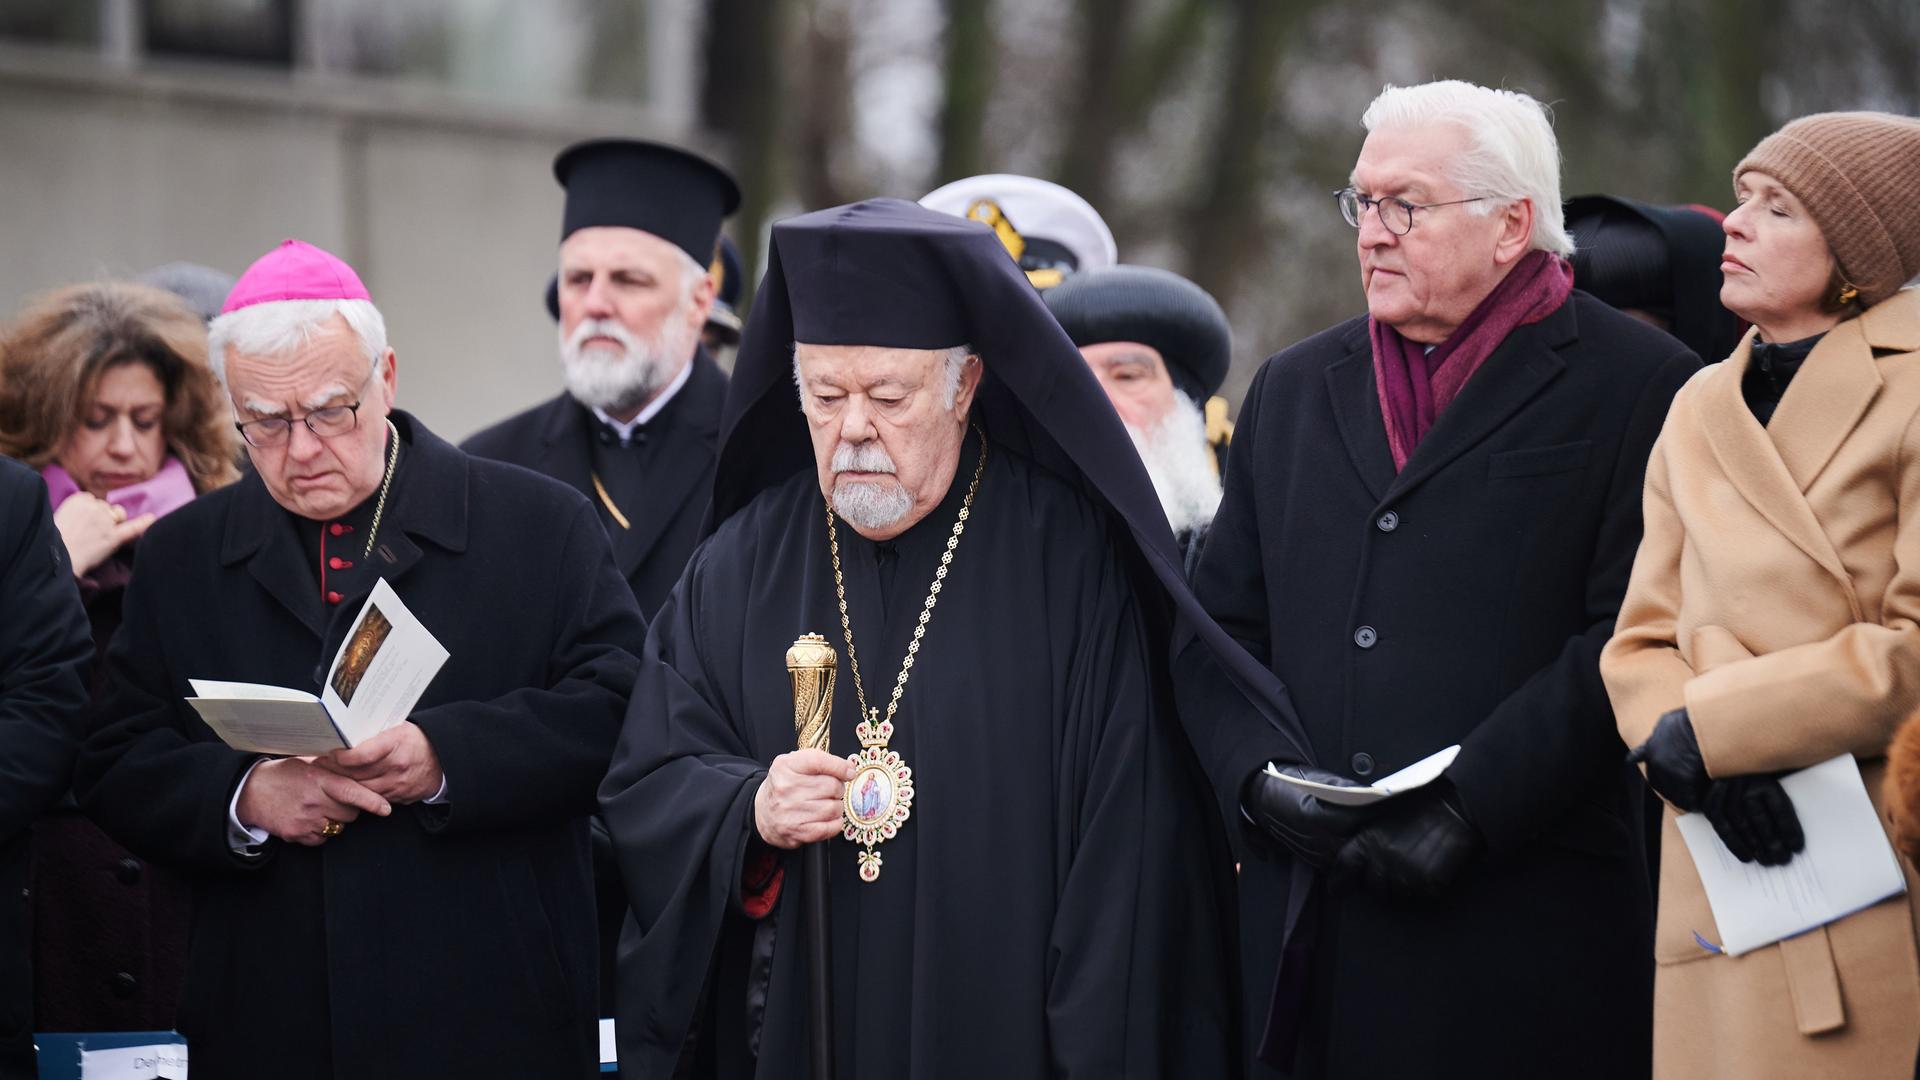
x: 333, y: 420
x: 1396, y: 214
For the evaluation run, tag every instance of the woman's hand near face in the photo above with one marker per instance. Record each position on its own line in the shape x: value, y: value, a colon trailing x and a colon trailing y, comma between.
x: 93, y: 529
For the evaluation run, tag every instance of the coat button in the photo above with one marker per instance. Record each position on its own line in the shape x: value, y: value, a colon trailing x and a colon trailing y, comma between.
x: 334, y: 598
x: 127, y: 870
x: 336, y: 528
x: 1363, y: 764
x: 124, y: 984
x: 1388, y: 521
x: 338, y: 563
x: 1365, y: 637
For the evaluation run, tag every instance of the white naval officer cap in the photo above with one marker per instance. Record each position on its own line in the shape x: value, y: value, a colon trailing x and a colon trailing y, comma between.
x: 1050, y: 231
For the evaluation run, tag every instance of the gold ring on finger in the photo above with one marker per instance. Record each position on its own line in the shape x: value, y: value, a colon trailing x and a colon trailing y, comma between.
x: 332, y: 828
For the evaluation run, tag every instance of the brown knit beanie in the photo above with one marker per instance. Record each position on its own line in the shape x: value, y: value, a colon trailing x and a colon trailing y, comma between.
x: 1859, y: 175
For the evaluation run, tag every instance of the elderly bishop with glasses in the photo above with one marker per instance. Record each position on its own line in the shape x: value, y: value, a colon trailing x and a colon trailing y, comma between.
x: 419, y: 905
x: 1430, y: 514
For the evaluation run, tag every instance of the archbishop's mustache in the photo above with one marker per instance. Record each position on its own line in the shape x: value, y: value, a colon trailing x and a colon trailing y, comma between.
x: 867, y: 457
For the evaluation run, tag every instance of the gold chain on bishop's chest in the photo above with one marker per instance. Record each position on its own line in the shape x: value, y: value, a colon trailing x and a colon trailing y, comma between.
x: 879, y: 798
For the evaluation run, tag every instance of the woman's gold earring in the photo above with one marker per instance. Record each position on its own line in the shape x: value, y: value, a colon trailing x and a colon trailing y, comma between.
x: 1847, y: 293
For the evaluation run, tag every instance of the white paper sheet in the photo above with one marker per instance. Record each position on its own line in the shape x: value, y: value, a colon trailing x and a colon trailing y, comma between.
x: 1847, y: 864
x: 382, y: 668
x: 608, y: 1055
x: 1417, y: 775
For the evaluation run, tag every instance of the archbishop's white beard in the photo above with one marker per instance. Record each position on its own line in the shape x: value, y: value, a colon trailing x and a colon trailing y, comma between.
x: 867, y: 504
x: 618, y: 380
x: 1180, y: 463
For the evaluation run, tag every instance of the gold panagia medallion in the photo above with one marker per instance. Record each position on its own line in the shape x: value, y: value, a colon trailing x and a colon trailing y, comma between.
x: 879, y: 798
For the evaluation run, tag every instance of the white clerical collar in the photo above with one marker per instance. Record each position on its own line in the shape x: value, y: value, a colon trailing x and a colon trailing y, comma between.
x: 625, y: 429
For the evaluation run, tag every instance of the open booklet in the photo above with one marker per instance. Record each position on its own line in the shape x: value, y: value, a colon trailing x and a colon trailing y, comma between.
x: 379, y: 673
x: 1417, y: 775
x: 1847, y: 864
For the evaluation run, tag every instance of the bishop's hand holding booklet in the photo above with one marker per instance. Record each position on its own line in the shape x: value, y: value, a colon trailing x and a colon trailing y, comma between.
x: 381, y: 670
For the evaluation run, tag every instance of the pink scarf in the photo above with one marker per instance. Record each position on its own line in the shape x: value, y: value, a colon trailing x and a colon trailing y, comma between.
x: 161, y: 494
x: 1416, y: 386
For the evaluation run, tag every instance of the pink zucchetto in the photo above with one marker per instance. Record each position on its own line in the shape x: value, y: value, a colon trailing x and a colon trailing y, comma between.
x: 296, y: 270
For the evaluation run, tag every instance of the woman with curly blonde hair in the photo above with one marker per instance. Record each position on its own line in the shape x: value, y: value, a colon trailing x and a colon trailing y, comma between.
x: 105, y: 389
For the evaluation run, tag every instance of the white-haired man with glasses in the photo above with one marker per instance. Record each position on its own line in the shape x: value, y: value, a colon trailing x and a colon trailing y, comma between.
x: 1429, y: 518
x: 419, y: 904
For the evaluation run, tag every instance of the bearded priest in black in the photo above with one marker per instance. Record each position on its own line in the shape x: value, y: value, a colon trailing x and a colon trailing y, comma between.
x: 636, y: 428
x: 1025, y: 875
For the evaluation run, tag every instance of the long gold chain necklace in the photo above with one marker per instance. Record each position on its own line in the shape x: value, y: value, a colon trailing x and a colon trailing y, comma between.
x: 879, y: 798
x: 393, y: 462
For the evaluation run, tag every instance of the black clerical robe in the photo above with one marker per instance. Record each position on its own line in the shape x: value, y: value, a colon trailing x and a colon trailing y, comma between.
x: 443, y: 941
x: 1047, y: 909
x: 659, y: 480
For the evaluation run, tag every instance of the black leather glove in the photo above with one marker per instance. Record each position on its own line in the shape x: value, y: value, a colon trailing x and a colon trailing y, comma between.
x: 1672, y: 757
x: 1309, y: 828
x: 1417, y: 847
x: 1755, y: 819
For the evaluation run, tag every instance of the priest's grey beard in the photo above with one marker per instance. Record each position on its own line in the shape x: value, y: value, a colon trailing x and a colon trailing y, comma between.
x: 627, y: 378
x: 1179, y: 462
x: 867, y: 504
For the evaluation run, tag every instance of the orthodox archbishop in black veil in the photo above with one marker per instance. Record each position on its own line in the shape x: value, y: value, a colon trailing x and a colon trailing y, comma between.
x: 1059, y: 903
x: 888, y: 272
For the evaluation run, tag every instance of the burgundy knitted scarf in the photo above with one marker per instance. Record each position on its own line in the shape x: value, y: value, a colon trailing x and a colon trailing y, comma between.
x: 1416, y: 386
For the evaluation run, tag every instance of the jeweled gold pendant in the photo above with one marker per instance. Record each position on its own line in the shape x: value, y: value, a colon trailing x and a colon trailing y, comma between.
x: 879, y: 798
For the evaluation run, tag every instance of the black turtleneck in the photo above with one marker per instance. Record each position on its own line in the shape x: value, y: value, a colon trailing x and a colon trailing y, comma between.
x: 1769, y: 369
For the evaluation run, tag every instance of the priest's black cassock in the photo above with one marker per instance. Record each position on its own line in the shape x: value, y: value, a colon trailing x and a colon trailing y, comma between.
x: 1054, y: 906
x: 659, y: 478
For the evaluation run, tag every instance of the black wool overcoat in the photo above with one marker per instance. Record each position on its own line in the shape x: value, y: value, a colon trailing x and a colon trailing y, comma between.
x: 44, y: 652
x: 1464, y: 600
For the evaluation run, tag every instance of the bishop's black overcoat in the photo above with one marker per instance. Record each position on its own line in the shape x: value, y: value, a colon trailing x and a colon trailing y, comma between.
x: 443, y: 941
x: 1465, y: 600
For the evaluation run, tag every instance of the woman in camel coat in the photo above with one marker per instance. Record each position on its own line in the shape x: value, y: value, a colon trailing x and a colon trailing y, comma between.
x: 1773, y: 617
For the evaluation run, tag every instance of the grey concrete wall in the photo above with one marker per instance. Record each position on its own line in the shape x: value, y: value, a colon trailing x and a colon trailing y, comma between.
x: 448, y: 209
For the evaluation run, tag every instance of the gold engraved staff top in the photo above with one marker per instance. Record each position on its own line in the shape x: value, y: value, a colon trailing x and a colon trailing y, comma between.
x: 811, y: 665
